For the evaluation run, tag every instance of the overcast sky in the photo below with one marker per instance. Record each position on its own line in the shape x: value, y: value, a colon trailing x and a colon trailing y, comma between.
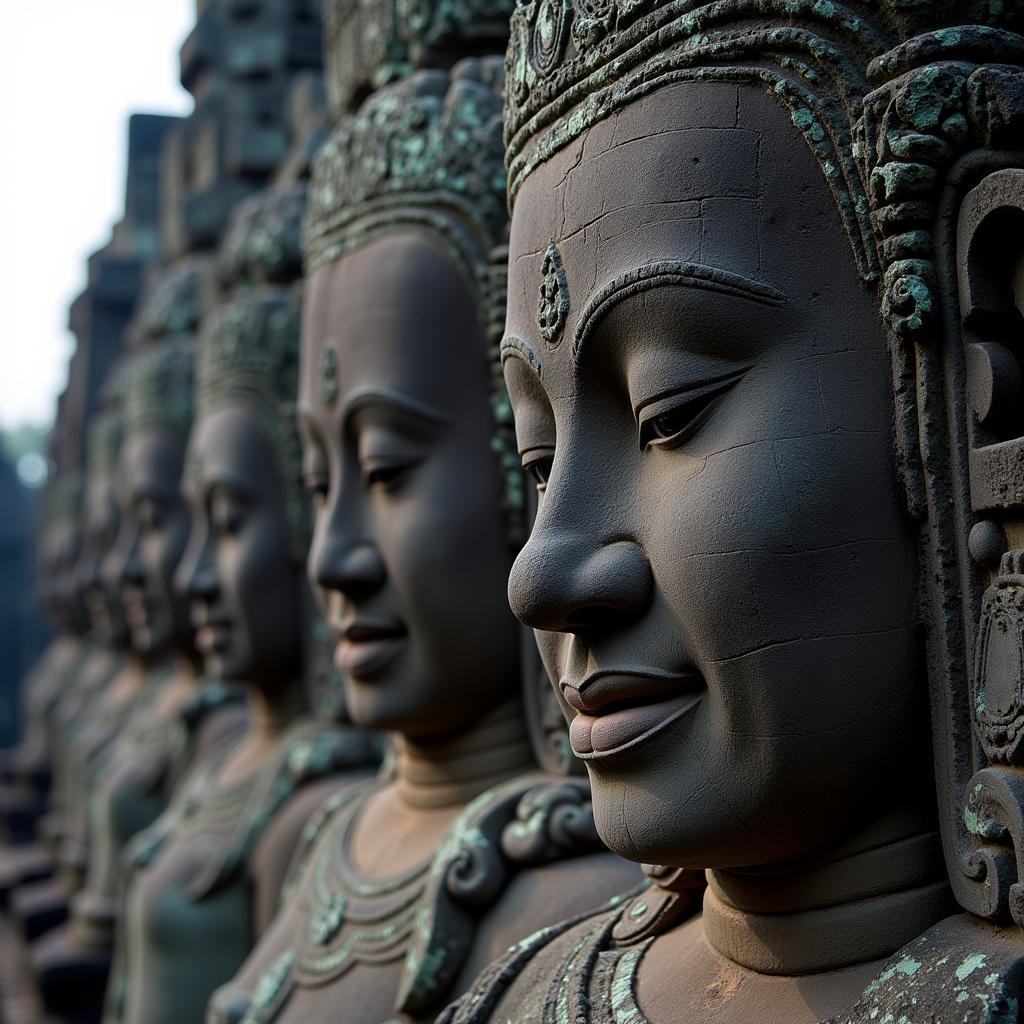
x: 71, y: 71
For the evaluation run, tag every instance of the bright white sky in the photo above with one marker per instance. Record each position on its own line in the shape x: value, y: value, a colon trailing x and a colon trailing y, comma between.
x: 71, y: 71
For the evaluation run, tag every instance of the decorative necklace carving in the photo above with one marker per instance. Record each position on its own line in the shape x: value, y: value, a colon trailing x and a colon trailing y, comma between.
x: 232, y: 818
x: 427, y: 916
x: 592, y: 963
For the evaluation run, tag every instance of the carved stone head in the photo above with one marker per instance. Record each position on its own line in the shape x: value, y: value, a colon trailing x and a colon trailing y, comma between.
x: 405, y: 425
x: 59, y: 550
x: 763, y: 352
x: 100, y: 524
x: 154, y: 518
x: 243, y: 570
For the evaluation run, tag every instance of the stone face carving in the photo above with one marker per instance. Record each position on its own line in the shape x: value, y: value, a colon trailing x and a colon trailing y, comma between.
x: 25, y: 770
x: 132, y: 743
x: 81, y: 664
x: 91, y: 714
x: 812, y: 207
x: 100, y: 527
x: 216, y: 857
x: 158, y: 414
x: 407, y: 886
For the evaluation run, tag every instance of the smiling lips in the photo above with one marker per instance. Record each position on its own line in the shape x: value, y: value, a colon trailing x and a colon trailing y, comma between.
x: 365, y: 647
x: 620, y: 710
x: 212, y: 636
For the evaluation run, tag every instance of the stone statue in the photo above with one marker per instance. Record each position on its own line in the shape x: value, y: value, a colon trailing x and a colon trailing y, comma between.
x: 408, y: 885
x: 101, y: 711
x: 28, y: 772
x: 202, y: 880
x: 88, y: 411
x: 25, y: 769
x: 142, y: 739
x: 90, y: 712
x: 763, y: 348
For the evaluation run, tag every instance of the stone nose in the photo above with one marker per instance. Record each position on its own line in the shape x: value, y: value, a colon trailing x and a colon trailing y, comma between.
x: 567, y: 583
x: 353, y: 569
x: 196, y: 576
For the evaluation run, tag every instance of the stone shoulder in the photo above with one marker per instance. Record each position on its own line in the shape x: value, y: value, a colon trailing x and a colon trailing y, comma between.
x: 961, y: 971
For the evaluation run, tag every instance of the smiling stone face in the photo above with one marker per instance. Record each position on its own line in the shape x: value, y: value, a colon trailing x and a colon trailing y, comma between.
x: 100, y: 527
x: 244, y: 584
x: 721, y: 569
x: 409, y: 548
x: 154, y: 528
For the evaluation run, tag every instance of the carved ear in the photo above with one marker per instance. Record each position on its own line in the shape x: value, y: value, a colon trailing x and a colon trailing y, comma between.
x: 990, y: 262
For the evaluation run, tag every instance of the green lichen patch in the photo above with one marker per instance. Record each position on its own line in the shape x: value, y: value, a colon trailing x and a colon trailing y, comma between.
x: 960, y: 972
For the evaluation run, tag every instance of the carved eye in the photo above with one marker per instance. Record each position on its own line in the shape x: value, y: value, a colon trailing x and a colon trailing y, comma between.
x: 539, y: 469
x: 674, y: 420
x: 670, y: 424
x: 384, y: 474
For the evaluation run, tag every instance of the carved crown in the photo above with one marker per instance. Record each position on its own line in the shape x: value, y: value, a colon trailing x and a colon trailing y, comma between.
x: 430, y: 143
x: 249, y: 347
x: 263, y: 241
x: 105, y: 433
x: 172, y: 303
x: 159, y: 389
x: 371, y: 43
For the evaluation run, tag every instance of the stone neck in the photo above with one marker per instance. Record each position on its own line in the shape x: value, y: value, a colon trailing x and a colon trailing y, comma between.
x: 452, y: 771
x: 270, y: 714
x: 858, y: 907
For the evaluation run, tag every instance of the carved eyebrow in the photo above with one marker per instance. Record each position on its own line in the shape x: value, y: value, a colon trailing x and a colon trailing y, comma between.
x: 364, y: 397
x: 665, y: 274
x: 515, y: 348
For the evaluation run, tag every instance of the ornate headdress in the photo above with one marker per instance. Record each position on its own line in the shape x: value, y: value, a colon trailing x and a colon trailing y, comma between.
x: 426, y: 152
x: 263, y: 241
x: 914, y: 110
x: 159, y: 389
x: 249, y: 345
x: 371, y: 43
x: 105, y: 435
x: 172, y: 304
x: 106, y: 431
x: 61, y: 501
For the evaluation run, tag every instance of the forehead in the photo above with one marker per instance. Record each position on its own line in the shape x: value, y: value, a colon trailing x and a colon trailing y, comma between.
x: 230, y: 441
x: 152, y: 460
x: 698, y: 172
x: 396, y: 313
